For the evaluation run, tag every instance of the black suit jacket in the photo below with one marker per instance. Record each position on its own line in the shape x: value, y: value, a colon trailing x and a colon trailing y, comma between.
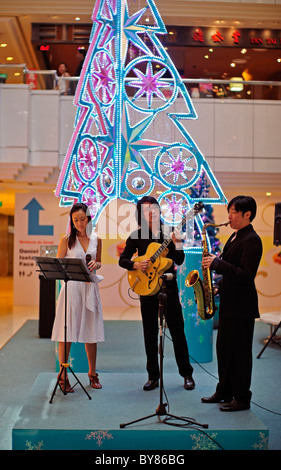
x: 238, y: 265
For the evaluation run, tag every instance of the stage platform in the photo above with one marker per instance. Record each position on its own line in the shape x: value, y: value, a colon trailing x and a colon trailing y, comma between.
x: 74, y: 422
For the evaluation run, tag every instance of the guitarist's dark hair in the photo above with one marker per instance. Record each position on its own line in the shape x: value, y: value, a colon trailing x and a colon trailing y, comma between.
x: 143, y: 200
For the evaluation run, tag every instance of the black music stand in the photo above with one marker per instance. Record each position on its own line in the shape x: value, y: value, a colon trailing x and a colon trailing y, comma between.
x: 65, y: 269
x: 161, y: 409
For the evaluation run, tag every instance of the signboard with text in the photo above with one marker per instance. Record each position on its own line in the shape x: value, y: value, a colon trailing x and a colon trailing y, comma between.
x: 227, y: 37
x: 39, y: 225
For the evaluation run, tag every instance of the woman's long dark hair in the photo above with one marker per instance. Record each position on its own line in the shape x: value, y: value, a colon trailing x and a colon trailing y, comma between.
x: 76, y: 207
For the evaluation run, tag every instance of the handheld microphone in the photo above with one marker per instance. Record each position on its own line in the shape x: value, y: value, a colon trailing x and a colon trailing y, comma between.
x: 88, y: 259
x: 167, y: 276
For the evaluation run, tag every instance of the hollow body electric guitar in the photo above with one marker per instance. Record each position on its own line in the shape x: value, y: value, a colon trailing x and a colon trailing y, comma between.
x: 149, y: 282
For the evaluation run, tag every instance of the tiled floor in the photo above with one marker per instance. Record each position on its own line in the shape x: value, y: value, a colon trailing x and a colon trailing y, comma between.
x: 12, y: 317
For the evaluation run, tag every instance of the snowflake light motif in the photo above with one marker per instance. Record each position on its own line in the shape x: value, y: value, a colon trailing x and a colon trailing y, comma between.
x: 178, y: 166
x: 174, y: 207
x: 149, y: 84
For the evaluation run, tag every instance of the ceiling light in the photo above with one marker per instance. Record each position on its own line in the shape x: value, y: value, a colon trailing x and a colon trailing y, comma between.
x: 9, y: 58
x: 232, y: 64
x: 239, y: 61
x: 77, y: 18
x: 3, y: 45
x: 243, y: 51
x: 206, y: 56
x: 279, y: 59
x: 268, y: 194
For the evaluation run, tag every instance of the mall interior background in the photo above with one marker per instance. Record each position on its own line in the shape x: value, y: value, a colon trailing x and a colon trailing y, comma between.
x: 238, y: 132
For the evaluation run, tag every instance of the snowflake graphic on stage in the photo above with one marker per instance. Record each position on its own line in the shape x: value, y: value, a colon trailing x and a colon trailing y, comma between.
x: 126, y: 100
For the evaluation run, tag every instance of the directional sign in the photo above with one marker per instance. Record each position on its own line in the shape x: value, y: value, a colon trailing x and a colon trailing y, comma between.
x: 33, y: 208
x: 39, y: 225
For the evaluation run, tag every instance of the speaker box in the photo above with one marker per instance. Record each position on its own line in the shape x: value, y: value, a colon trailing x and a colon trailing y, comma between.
x: 277, y: 225
x: 47, y: 307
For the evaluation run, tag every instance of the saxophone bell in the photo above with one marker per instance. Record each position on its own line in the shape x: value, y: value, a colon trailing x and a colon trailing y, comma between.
x: 203, y: 289
x: 193, y: 280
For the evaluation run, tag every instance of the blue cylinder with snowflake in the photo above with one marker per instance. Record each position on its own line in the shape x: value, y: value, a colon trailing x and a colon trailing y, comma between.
x: 199, y: 333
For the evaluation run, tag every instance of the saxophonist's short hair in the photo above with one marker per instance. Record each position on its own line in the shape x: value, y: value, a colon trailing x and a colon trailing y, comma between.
x: 244, y: 204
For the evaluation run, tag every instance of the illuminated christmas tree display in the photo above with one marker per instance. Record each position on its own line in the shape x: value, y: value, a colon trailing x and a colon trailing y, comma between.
x: 131, y: 136
x: 127, y: 95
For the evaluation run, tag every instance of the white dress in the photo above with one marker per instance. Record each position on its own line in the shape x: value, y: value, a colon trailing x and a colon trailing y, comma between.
x: 84, y: 310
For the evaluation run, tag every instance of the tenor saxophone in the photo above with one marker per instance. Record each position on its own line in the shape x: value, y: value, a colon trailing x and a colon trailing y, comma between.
x: 203, y: 289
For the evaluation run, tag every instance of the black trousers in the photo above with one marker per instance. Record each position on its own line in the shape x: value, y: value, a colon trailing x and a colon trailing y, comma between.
x: 234, y: 355
x: 174, y: 320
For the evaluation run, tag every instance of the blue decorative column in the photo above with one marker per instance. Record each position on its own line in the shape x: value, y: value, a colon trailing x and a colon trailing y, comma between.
x: 199, y: 333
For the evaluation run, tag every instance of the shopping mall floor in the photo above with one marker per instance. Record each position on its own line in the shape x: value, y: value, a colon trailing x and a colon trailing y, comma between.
x: 12, y: 317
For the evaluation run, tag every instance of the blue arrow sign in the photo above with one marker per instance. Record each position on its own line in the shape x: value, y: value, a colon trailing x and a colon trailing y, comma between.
x: 33, y: 208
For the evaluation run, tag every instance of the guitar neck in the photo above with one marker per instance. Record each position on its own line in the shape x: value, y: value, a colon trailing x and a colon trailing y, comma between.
x: 160, y: 250
x: 197, y: 208
x: 166, y: 242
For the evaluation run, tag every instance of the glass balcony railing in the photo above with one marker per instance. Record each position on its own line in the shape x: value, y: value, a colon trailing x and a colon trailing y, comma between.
x: 234, y: 88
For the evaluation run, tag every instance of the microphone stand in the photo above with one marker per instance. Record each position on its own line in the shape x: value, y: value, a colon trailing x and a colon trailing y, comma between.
x: 161, y: 409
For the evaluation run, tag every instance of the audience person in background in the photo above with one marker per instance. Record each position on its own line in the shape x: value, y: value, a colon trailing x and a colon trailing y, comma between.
x: 80, y: 55
x: 64, y: 86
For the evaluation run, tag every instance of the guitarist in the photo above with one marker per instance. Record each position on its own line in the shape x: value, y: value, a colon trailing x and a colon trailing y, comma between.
x: 150, y: 230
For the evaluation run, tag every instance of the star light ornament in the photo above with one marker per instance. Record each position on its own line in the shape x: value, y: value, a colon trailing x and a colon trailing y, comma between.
x: 126, y: 107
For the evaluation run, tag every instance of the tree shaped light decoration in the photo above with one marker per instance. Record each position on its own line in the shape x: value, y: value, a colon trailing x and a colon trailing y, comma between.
x: 126, y: 96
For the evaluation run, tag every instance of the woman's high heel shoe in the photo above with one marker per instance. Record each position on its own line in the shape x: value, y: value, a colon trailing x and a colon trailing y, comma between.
x: 94, y: 381
x: 65, y: 387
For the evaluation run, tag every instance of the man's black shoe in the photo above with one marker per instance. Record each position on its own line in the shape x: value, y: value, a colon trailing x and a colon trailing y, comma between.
x: 189, y: 383
x: 235, y: 405
x: 216, y: 398
x: 150, y: 385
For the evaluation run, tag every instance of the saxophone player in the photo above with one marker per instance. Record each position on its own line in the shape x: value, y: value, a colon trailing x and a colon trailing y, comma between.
x: 238, y: 265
